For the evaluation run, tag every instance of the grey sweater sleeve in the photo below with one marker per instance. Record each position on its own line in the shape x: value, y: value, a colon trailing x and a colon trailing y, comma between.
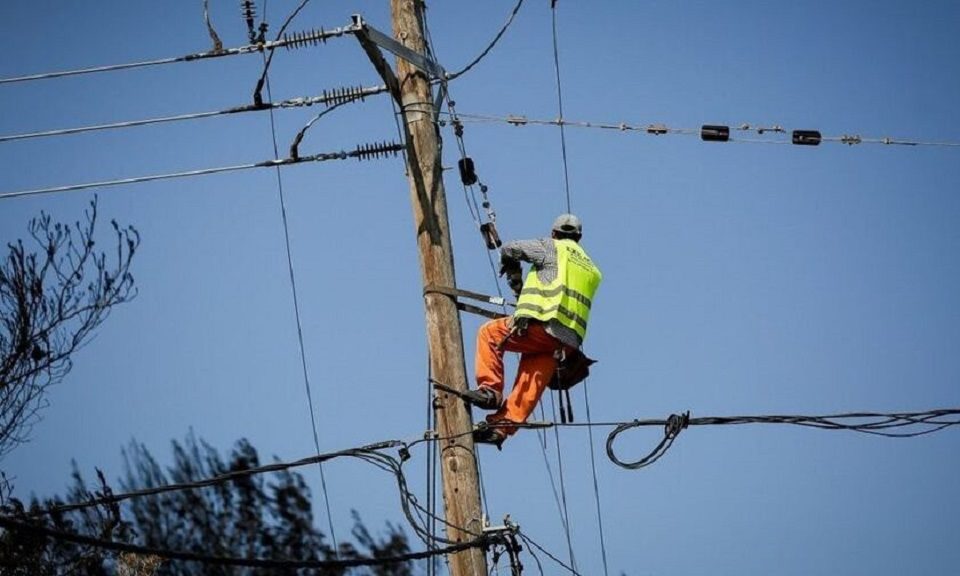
x: 539, y: 252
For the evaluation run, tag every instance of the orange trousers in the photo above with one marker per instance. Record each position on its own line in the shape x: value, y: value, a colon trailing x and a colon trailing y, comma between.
x: 537, y: 365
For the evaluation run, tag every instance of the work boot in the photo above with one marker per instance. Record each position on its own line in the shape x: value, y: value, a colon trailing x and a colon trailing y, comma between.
x: 484, y: 398
x: 486, y: 435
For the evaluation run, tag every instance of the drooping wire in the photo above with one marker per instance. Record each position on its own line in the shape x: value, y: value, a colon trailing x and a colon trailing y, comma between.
x: 533, y: 544
x: 563, y: 136
x: 914, y: 424
x: 19, y: 526
x: 296, y: 309
x: 257, y: 98
x: 596, y: 485
x: 468, y: 191
x: 490, y: 46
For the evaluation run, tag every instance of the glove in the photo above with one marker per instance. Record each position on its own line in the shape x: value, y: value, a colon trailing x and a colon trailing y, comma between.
x: 515, y: 281
x: 509, y: 267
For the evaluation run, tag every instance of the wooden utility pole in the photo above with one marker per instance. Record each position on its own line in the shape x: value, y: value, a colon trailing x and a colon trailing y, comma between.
x: 461, y: 494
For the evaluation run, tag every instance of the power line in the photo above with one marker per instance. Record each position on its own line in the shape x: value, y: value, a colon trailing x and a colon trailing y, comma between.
x: 912, y: 424
x: 361, y: 152
x: 563, y: 136
x: 180, y: 555
x: 296, y: 309
x: 326, y: 97
x: 533, y: 544
x: 291, y: 41
x: 115, y: 498
x: 661, y: 129
x: 596, y: 486
x: 257, y: 98
x: 490, y: 46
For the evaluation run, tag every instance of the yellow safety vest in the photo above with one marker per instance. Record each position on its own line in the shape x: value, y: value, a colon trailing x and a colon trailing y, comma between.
x: 568, y: 298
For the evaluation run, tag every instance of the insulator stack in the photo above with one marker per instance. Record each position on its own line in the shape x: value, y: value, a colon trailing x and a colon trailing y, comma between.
x: 249, y: 11
x: 342, y: 95
x: 305, y: 38
x: 376, y: 150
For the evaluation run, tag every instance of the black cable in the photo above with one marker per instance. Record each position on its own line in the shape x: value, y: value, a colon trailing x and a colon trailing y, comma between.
x: 296, y: 310
x: 490, y: 46
x: 872, y: 423
x: 533, y: 544
x: 257, y: 98
x: 222, y: 478
x: 563, y: 487
x: 596, y: 485
x: 184, y: 556
x: 563, y: 137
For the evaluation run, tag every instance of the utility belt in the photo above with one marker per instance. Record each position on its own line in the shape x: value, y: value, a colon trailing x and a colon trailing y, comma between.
x: 573, y: 367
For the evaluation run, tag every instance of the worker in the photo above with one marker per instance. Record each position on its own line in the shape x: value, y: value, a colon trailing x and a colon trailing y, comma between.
x: 553, y: 306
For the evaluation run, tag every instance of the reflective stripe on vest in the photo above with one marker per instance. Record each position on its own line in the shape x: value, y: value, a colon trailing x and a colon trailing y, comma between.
x: 568, y: 298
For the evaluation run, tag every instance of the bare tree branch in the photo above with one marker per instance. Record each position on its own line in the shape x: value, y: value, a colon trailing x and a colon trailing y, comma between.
x: 53, y: 296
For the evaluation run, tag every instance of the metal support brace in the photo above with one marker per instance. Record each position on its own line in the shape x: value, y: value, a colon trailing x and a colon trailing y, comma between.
x: 372, y: 40
x: 370, y: 34
x: 456, y: 293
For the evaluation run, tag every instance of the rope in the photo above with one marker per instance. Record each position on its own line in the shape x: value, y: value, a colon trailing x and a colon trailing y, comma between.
x: 296, y: 310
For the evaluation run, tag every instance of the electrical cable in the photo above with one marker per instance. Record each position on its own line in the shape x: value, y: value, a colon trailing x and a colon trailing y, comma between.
x: 563, y: 136
x: 14, y: 525
x: 863, y: 422
x: 292, y: 41
x: 257, y: 98
x: 542, y: 437
x: 563, y: 488
x: 326, y: 98
x: 115, y: 498
x: 490, y: 46
x: 596, y: 485
x: 533, y: 544
x: 361, y: 152
x: 661, y: 129
x: 296, y: 309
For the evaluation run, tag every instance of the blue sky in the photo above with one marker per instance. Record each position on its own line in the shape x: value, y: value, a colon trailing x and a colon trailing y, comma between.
x: 739, y: 278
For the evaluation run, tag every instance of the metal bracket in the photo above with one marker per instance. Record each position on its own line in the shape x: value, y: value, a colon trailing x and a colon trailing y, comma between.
x: 371, y: 34
x: 508, y: 526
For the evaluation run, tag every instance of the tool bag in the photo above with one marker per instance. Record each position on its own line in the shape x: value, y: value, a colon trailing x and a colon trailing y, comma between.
x: 573, y: 367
